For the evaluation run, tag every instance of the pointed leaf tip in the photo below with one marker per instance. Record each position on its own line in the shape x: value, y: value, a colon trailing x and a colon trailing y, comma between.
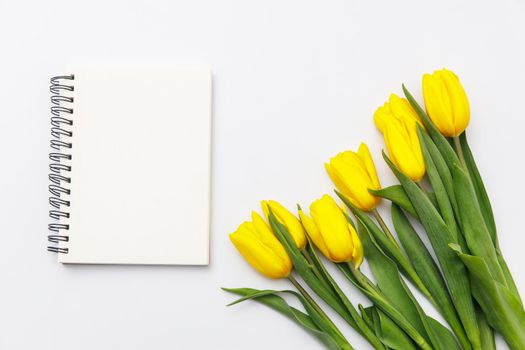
x: 455, y: 247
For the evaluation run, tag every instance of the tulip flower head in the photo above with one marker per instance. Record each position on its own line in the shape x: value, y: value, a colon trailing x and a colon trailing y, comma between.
x: 398, y: 122
x: 353, y: 174
x: 261, y: 249
x: 288, y: 220
x: 446, y: 102
x: 331, y: 233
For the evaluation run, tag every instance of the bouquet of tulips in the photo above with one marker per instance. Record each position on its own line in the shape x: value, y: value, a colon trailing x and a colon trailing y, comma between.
x: 465, y: 277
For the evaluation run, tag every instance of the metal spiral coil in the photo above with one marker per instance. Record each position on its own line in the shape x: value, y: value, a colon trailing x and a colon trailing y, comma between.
x: 61, y: 134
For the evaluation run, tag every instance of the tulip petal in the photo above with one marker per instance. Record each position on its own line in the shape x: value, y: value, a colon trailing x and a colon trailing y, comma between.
x: 398, y: 122
x: 437, y: 103
x: 333, y: 227
x: 267, y: 238
x: 314, y: 234
x: 381, y: 116
x: 358, y: 253
x: 337, y: 181
x: 290, y: 221
x: 415, y: 145
x: 458, y: 99
x: 359, y: 190
x: 403, y: 111
x: 446, y: 102
x: 401, y: 152
x: 264, y: 206
x: 258, y: 255
x: 366, y: 157
x: 351, y: 171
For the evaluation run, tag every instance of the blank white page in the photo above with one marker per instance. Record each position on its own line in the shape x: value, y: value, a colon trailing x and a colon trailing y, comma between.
x: 140, y: 178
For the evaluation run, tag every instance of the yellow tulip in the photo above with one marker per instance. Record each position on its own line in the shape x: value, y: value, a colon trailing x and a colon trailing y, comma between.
x: 353, y: 174
x: 259, y: 246
x: 446, y: 102
x: 331, y: 233
x: 290, y: 221
x: 398, y: 122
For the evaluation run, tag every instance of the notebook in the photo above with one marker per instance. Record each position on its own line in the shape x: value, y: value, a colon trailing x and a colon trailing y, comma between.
x: 130, y: 165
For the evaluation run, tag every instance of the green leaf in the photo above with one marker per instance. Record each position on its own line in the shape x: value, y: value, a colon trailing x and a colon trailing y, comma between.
x: 439, y: 335
x: 273, y: 300
x: 486, y: 209
x: 432, y: 196
x: 473, y: 226
x: 441, y: 178
x: 387, y: 330
x: 441, y: 142
x: 508, y: 276
x: 427, y: 269
x: 438, y: 184
x: 368, y: 289
x: 388, y: 279
x: 440, y: 236
x: 487, y: 334
x: 446, y: 339
x: 390, y: 333
x: 396, y: 194
x: 503, y: 310
x: 358, y: 323
x: 391, y: 285
x: 366, y: 314
x: 390, y: 248
x: 441, y: 167
x: 376, y: 322
x: 479, y: 187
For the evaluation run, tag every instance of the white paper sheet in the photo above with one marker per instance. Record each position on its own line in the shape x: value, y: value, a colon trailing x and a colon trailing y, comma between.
x: 140, y: 189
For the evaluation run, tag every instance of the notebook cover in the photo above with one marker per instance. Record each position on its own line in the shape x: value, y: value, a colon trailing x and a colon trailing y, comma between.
x: 140, y: 167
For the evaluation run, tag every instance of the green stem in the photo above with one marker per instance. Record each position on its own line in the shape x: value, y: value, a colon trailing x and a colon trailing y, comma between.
x: 309, y: 298
x: 459, y: 151
x: 360, y: 324
x: 364, y: 281
x: 396, y: 315
x: 342, y: 340
x: 429, y: 195
x: 314, y: 267
x: 384, y: 227
x: 422, y: 188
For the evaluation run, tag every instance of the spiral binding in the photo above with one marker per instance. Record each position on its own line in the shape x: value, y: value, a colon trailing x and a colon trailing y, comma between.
x: 59, y: 166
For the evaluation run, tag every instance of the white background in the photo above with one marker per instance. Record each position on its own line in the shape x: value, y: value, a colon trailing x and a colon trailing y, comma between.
x: 294, y: 83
